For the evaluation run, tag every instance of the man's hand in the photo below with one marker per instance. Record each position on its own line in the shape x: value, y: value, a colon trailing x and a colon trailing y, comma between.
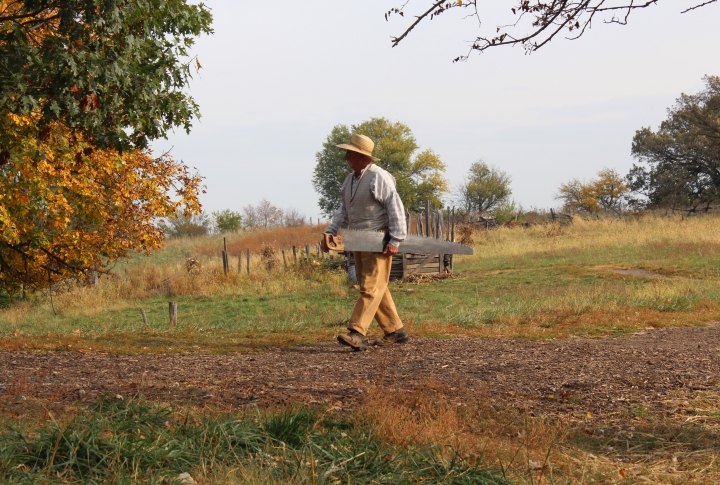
x: 390, y: 249
x: 324, y: 246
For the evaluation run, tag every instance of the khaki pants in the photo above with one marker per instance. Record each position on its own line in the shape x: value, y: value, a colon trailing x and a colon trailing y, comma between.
x: 373, y: 271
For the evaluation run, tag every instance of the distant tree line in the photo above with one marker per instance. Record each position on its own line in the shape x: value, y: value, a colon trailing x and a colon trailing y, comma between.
x: 264, y: 215
x: 678, y: 166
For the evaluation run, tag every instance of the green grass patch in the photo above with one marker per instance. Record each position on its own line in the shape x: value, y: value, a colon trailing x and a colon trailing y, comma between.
x: 139, y: 442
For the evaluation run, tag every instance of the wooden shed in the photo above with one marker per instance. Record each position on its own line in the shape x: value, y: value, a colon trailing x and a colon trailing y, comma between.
x: 404, y: 265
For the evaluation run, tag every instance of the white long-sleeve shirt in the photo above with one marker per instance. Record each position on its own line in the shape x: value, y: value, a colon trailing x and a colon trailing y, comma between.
x: 382, y: 189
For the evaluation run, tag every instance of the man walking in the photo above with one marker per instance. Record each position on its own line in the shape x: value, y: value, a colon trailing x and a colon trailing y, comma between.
x: 370, y: 202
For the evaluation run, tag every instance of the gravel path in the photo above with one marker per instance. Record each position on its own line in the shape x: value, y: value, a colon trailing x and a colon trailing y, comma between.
x: 550, y: 376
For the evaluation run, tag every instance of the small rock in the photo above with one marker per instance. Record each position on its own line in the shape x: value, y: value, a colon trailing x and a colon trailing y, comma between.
x: 185, y: 479
x: 119, y: 397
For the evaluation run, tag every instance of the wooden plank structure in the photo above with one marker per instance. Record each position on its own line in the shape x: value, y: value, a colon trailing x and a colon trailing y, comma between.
x: 429, y: 224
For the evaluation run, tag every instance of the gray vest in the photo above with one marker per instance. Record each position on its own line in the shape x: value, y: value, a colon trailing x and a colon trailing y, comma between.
x: 364, y: 211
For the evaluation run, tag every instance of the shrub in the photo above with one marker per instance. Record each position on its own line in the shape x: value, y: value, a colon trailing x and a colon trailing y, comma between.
x: 227, y: 220
x: 182, y: 225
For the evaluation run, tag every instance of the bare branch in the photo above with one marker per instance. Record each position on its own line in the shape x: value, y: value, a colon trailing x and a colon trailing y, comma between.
x: 547, y: 19
x: 396, y: 40
x: 698, y: 6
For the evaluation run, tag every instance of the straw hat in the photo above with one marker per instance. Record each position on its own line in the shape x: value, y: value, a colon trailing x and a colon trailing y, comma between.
x: 361, y: 144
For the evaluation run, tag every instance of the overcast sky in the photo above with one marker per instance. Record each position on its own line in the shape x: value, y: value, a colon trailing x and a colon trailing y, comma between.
x: 277, y: 76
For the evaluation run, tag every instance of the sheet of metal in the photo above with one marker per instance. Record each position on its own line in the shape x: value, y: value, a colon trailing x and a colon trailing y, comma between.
x: 374, y: 241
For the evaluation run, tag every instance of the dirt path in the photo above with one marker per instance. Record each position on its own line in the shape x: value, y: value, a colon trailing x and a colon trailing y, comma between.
x: 597, y: 375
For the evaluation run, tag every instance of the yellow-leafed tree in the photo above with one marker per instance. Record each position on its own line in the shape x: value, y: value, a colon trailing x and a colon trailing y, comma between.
x: 67, y: 208
x: 605, y: 193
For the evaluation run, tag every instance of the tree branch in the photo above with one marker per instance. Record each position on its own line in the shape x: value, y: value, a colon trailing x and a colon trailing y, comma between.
x: 60, y: 260
x: 548, y: 19
x: 698, y: 6
x: 396, y: 40
x: 12, y: 18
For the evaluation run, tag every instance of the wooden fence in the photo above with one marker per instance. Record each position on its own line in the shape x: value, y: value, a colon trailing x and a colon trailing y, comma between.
x: 439, y: 224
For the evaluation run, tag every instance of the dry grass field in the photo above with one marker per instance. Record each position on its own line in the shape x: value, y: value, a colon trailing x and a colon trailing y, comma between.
x: 590, y: 278
x: 599, y: 279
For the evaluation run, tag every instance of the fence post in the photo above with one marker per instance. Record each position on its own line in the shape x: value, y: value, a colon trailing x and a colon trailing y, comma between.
x: 239, y: 261
x: 427, y: 218
x: 95, y: 278
x: 225, y: 259
x: 294, y: 255
x: 449, y: 223
x: 452, y: 238
x: 173, y: 313
x: 307, y: 251
x: 284, y: 259
x: 144, y: 317
x: 452, y: 225
x: 248, y: 261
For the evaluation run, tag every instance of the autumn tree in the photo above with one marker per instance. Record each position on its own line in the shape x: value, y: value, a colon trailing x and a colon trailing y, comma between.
x: 679, y: 164
x: 602, y: 194
x: 268, y: 215
x: 291, y: 217
x: 264, y: 215
x: 610, y: 189
x: 84, y: 86
x: 113, y: 71
x: 250, y: 217
x: 530, y: 24
x: 484, y: 188
x: 66, y: 208
x: 419, y: 176
x: 578, y: 196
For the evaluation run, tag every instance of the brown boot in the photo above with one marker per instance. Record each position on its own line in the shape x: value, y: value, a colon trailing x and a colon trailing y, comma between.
x: 354, y: 339
x: 397, y: 337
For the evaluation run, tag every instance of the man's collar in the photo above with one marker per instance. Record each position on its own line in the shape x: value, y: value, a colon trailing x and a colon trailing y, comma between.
x: 362, y: 172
